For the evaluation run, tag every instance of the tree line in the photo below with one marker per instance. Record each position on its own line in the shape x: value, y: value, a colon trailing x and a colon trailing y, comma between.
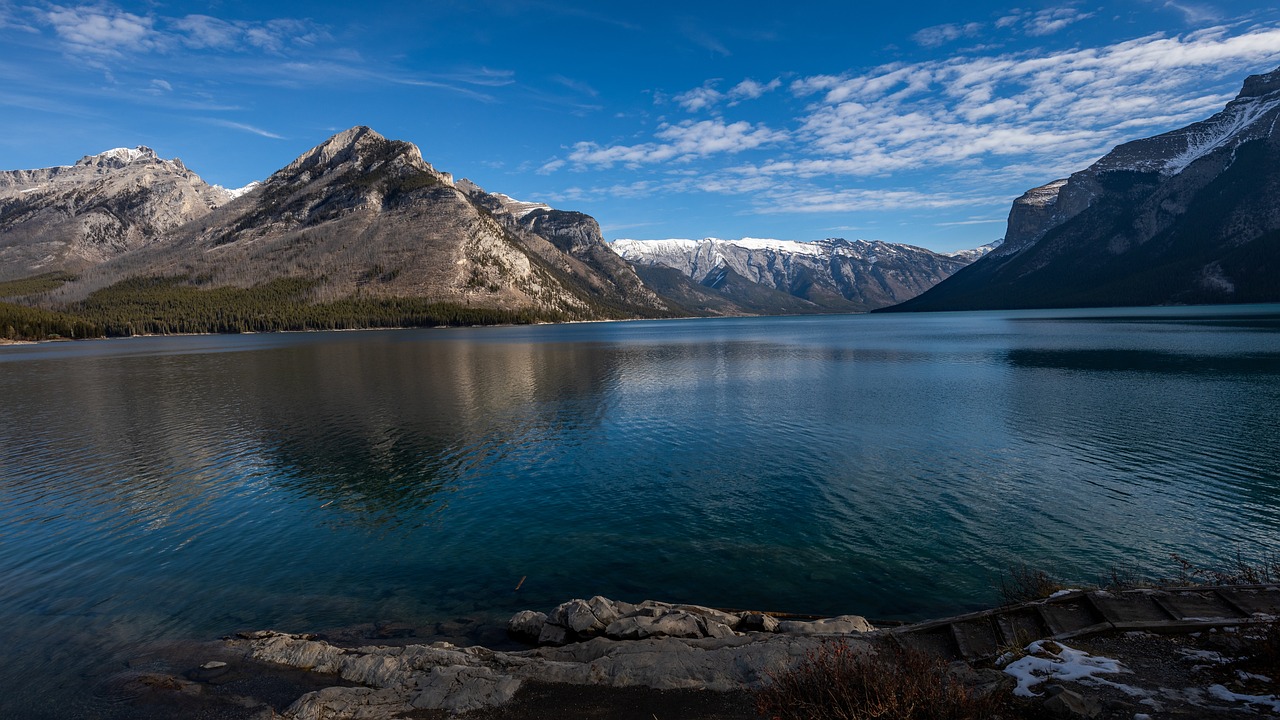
x: 171, y: 305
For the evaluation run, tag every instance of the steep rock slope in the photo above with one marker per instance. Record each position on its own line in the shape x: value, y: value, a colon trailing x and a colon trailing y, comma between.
x: 75, y: 216
x: 363, y: 216
x: 573, y: 243
x: 828, y: 275
x: 1190, y: 216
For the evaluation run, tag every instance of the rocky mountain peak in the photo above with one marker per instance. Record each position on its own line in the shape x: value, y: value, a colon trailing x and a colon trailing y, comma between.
x: 1260, y: 85
x: 121, y: 158
x: 359, y: 148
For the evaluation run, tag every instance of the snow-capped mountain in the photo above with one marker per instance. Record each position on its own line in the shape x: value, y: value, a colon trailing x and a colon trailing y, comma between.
x: 832, y: 274
x: 1189, y: 216
x: 363, y: 216
x: 73, y: 216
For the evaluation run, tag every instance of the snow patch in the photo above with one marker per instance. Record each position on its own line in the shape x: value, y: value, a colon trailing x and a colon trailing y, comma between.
x: 128, y: 155
x: 519, y: 208
x: 1219, y: 134
x: 1222, y: 693
x: 234, y: 193
x: 1049, y: 660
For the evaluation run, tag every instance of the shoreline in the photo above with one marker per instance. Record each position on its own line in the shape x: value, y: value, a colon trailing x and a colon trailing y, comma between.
x: 712, y: 675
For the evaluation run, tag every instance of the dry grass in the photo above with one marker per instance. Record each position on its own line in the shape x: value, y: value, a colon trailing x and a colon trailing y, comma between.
x: 1022, y: 584
x: 838, y: 682
x: 1239, y: 572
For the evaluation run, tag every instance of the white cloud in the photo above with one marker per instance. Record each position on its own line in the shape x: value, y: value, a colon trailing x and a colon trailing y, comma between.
x: 1043, y: 22
x: 102, y: 30
x: 707, y: 96
x: 942, y: 34
x: 700, y: 98
x: 969, y: 131
x: 750, y: 89
x: 243, y: 127
x: 1194, y: 13
x: 1075, y: 103
x: 681, y: 142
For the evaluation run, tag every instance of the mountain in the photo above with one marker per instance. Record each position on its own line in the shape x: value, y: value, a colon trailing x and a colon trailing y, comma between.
x: 1188, y: 217
x: 72, y: 217
x: 361, y: 216
x: 833, y: 275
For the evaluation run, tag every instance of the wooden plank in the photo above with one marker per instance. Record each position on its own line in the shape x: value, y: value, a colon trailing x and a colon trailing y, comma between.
x: 1085, y: 631
x: 1168, y: 610
x: 1226, y: 598
x: 1049, y: 621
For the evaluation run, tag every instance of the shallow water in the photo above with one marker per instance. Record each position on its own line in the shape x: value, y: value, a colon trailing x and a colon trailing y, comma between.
x: 158, y: 489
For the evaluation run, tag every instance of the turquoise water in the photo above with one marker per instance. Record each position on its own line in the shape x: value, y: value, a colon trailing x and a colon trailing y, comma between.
x: 154, y: 489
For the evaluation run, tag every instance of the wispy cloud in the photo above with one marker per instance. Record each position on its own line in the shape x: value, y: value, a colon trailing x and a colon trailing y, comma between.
x: 243, y: 127
x: 680, y: 142
x: 707, y: 96
x: 1043, y: 22
x: 700, y: 37
x: 102, y: 30
x: 939, y: 35
x: 1195, y: 13
x: 979, y: 128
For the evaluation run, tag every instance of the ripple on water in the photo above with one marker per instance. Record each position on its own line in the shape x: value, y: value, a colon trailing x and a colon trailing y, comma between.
x: 173, y: 488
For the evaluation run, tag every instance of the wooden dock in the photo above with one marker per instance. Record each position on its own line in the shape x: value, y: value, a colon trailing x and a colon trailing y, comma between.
x: 986, y: 634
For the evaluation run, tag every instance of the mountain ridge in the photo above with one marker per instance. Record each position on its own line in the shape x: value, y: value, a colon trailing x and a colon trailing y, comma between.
x: 1185, y: 217
x: 828, y: 275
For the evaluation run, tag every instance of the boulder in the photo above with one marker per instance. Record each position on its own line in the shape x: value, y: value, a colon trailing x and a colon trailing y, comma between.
x: 576, y: 615
x: 1063, y: 703
x: 641, y: 625
x: 527, y: 624
x: 840, y: 625
x: 553, y: 634
x: 758, y: 622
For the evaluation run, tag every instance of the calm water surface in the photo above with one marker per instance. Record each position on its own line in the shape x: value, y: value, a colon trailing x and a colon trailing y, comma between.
x: 159, y: 489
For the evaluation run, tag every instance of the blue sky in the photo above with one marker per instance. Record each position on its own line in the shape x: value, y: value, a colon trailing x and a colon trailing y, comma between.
x: 914, y: 123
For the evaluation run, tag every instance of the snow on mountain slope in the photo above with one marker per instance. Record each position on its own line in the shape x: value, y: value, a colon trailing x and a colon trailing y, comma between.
x: 834, y: 273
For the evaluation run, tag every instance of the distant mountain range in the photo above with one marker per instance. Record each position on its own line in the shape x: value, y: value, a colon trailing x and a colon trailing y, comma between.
x: 833, y: 275
x: 361, y: 231
x: 1188, y: 217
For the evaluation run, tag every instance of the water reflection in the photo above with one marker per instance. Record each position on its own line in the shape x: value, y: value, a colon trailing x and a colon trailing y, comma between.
x: 188, y: 487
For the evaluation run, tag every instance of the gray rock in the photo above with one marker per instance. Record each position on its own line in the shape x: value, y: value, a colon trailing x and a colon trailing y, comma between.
x: 553, y: 634
x: 462, y: 689
x: 758, y: 622
x: 671, y: 623
x: 577, y: 616
x: 841, y: 625
x: 605, y: 610
x: 1063, y: 703
x: 527, y: 623
x: 715, y: 629
x: 401, y: 680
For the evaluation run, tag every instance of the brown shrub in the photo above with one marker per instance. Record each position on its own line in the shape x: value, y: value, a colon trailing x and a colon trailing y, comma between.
x: 1022, y: 583
x: 840, y: 682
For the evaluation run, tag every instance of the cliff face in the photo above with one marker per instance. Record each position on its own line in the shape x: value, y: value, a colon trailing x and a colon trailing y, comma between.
x: 76, y: 216
x: 571, y: 242
x: 1190, y: 216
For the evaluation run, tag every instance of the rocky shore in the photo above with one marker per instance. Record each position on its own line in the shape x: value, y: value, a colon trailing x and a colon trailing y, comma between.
x: 600, y: 658
x: 581, y: 642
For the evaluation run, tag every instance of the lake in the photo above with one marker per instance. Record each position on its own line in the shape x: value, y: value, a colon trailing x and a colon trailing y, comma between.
x: 169, y: 488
